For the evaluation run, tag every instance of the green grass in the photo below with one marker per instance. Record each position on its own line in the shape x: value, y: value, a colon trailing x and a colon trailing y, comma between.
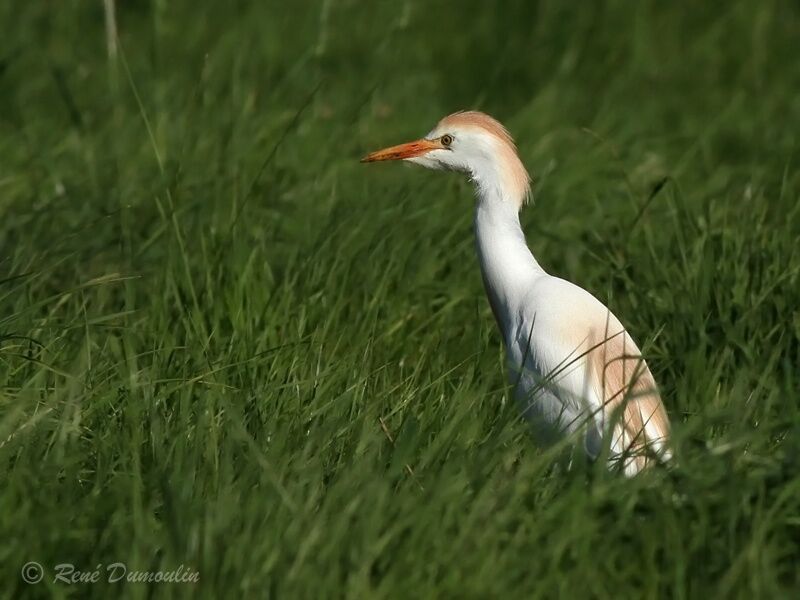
x: 226, y: 344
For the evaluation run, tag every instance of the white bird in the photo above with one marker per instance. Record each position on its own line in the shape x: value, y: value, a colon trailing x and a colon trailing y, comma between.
x: 573, y: 365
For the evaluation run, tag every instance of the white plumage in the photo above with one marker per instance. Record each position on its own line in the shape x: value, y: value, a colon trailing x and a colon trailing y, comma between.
x: 574, y: 367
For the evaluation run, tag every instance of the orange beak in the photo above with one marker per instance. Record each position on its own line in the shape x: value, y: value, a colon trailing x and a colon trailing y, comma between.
x: 408, y: 150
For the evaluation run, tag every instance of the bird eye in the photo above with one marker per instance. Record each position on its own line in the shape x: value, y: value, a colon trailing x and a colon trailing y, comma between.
x: 446, y: 140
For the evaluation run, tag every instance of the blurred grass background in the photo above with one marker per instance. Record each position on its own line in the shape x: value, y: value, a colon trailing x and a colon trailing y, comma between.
x: 226, y: 344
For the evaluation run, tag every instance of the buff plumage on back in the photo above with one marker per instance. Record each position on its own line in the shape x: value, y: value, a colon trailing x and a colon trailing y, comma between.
x: 630, y: 398
x: 516, y: 175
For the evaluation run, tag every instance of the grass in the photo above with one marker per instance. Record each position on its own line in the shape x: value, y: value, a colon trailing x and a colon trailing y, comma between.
x: 225, y: 344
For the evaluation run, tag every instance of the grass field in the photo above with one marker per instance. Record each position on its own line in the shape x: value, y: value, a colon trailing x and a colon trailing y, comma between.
x: 225, y: 344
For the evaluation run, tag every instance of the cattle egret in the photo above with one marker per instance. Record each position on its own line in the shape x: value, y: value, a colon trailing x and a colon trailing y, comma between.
x: 574, y: 368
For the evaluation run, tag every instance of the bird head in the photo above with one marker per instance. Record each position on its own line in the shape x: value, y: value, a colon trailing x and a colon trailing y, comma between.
x: 470, y: 142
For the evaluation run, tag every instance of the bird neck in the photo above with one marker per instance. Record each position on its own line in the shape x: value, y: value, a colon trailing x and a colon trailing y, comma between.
x: 507, y: 264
